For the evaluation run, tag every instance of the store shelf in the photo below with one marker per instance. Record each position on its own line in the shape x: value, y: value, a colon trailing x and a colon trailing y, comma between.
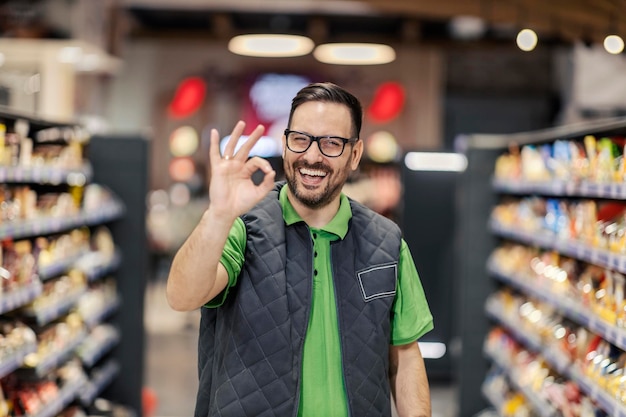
x: 495, y: 312
x: 102, y: 218
x: 531, y: 341
x: 99, y: 316
x: 12, y: 300
x: 496, y: 150
x: 494, y: 399
x: 57, y: 268
x: 100, y: 379
x: 37, y: 227
x: 15, y: 360
x: 95, y: 265
x: 67, y: 394
x: 540, y: 405
x: 49, y: 313
x: 614, y: 191
x: 571, y: 248
x: 566, y: 306
x: 55, y: 359
x: 91, y: 351
x: 555, y: 359
x: 612, y: 407
x: 46, y: 175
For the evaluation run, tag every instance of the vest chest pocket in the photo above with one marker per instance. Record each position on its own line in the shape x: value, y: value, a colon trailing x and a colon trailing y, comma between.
x: 378, y: 281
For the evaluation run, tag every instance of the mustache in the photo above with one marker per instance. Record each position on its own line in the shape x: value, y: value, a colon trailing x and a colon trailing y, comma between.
x: 317, y: 166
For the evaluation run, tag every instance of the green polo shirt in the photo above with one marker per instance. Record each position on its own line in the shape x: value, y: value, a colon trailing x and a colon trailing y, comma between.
x: 322, y: 387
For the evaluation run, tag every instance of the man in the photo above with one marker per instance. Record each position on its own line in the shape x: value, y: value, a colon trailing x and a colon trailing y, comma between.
x: 311, y: 303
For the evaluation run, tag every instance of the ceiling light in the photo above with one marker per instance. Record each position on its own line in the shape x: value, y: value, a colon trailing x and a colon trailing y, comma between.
x: 614, y: 44
x: 271, y: 46
x: 354, y: 53
x: 467, y: 27
x: 526, y: 40
x: 435, y: 161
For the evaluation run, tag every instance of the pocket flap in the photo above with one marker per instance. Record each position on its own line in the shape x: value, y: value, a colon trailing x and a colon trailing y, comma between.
x: 378, y: 281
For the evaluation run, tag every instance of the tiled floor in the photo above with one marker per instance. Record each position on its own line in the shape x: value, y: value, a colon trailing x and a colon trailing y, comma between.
x: 171, y: 360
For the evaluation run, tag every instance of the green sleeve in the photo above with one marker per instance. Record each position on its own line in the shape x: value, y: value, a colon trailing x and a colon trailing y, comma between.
x: 411, y: 317
x: 232, y: 259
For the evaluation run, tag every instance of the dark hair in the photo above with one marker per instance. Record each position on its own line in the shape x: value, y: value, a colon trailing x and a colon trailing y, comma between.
x: 330, y: 93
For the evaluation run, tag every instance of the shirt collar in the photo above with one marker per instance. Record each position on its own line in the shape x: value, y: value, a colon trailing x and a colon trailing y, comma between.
x: 337, y: 226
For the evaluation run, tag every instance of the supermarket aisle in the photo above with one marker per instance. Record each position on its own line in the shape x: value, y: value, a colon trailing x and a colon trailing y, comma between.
x: 171, y: 339
x: 171, y: 354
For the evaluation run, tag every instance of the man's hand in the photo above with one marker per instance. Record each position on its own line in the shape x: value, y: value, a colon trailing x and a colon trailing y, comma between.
x: 196, y: 275
x: 231, y: 190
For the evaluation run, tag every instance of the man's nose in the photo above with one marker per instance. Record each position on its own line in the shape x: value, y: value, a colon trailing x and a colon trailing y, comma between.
x: 315, y: 150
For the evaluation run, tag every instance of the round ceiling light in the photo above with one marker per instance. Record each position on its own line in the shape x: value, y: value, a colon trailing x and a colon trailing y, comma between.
x: 614, y: 44
x: 271, y: 46
x: 526, y: 40
x: 354, y: 53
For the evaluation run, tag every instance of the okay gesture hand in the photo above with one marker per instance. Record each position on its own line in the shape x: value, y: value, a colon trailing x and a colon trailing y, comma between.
x: 231, y: 190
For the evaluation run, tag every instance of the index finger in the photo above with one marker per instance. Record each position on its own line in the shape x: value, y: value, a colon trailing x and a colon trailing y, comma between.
x: 253, y: 138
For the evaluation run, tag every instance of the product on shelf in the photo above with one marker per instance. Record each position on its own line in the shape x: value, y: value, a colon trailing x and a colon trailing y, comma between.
x: 534, y: 386
x: 28, y: 397
x: 58, y: 249
x: 99, y: 297
x: 16, y: 339
x: 598, y: 224
x: 58, y: 147
x: 55, y: 340
x: 561, y: 263
x: 586, y: 159
x: 18, y: 264
x: 57, y: 257
x: 585, y: 286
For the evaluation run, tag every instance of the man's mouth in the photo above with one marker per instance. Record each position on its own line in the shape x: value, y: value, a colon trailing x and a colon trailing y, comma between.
x: 312, y: 177
x: 312, y: 172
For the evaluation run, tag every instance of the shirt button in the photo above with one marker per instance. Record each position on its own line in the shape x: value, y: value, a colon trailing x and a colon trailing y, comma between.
x: 315, y: 272
x: 315, y: 254
x: 314, y: 235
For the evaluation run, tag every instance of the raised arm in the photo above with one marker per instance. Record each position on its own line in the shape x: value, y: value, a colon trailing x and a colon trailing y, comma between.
x: 409, y: 383
x: 196, y: 275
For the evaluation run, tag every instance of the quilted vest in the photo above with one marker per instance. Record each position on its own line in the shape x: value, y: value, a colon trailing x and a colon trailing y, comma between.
x: 250, y: 348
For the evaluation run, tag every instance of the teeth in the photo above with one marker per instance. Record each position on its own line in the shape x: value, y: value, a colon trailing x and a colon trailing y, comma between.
x: 312, y: 172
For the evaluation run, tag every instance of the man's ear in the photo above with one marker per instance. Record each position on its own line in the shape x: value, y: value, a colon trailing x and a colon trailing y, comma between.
x: 357, y: 153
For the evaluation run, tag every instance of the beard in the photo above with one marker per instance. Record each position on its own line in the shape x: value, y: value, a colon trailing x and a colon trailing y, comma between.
x: 323, y: 196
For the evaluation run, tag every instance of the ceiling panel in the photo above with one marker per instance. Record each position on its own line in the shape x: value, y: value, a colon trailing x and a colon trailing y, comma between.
x: 563, y: 19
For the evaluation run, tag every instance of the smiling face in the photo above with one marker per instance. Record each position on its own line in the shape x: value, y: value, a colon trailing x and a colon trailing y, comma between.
x: 315, y: 181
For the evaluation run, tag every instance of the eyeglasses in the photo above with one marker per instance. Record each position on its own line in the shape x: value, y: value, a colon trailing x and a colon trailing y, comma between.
x: 330, y: 146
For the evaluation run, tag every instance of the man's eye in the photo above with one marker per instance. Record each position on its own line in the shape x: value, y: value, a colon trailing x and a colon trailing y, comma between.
x: 332, y: 143
x: 301, y: 139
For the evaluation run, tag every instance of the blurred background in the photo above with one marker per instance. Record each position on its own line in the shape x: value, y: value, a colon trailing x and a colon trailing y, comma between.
x: 428, y: 72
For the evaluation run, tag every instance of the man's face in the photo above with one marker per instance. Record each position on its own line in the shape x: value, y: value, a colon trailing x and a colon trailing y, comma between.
x: 313, y: 178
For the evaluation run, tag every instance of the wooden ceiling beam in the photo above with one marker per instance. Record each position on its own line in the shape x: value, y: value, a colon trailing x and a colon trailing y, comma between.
x: 582, y: 19
x: 590, y: 18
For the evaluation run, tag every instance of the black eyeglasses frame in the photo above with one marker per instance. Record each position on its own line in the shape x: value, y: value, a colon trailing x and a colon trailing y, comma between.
x: 317, y: 139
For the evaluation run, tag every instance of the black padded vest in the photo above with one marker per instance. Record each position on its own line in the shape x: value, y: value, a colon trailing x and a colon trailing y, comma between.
x: 250, y: 348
